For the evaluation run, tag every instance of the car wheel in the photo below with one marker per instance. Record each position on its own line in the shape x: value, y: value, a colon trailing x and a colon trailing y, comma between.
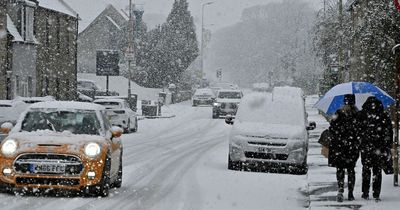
x: 118, y: 181
x: 215, y: 116
x: 234, y: 165
x: 135, y: 129
x: 102, y: 189
x: 301, y: 169
x: 128, y: 127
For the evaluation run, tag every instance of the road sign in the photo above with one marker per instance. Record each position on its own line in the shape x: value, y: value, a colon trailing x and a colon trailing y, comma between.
x: 129, y: 54
x: 107, y: 63
x: 397, y: 3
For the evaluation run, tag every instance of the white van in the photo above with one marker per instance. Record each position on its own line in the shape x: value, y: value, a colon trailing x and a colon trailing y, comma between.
x: 270, y: 128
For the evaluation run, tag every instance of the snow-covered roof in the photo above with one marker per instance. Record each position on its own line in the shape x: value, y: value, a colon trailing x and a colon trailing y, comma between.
x: 58, y: 6
x: 66, y: 105
x: 13, y: 30
x: 119, y: 100
x: 113, y: 22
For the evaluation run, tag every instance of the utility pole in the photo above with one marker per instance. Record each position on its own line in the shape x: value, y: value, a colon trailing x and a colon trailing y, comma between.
x: 202, y: 40
x: 342, y: 76
x: 130, y: 54
x: 395, y: 155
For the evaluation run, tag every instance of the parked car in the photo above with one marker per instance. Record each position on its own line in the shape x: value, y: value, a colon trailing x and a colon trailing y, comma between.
x: 270, y: 128
x: 10, y: 110
x: 120, y: 114
x: 203, y: 96
x: 91, y: 89
x: 62, y: 145
x: 227, y: 103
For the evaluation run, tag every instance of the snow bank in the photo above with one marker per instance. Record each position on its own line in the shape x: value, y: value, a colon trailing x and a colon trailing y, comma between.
x: 120, y: 85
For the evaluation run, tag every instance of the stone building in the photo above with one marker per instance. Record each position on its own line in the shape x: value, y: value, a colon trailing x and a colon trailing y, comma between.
x: 107, y: 31
x: 3, y: 48
x: 56, y: 27
x: 40, y: 49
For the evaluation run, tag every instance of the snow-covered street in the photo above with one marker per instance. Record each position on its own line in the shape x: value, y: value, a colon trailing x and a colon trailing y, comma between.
x: 181, y: 163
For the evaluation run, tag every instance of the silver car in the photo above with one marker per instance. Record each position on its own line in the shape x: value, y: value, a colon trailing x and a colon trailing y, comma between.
x: 271, y: 129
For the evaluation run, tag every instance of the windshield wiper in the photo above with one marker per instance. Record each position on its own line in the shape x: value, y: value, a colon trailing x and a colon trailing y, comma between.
x: 51, y: 125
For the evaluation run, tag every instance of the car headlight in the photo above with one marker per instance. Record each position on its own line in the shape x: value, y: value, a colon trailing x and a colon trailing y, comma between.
x: 216, y: 104
x: 9, y: 147
x: 92, y: 150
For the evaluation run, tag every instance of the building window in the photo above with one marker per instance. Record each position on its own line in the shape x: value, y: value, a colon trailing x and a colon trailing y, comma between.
x: 29, y: 19
x: 58, y: 35
x: 58, y: 94
x: 46, y: 86
x: 17, y: 86
x: 30, y: 87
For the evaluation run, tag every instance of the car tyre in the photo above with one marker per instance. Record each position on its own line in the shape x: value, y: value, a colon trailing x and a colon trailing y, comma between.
x: 118, y: 181
x: 128, y: 127
x: 215, y: 116
x: 103, y: 187
x: 135, y: 129
x: 302, y: 169
x: 234, y: 165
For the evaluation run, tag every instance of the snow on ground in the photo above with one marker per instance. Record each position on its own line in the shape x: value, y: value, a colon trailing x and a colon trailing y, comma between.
x: 120, y: 85
x: 181, y: 164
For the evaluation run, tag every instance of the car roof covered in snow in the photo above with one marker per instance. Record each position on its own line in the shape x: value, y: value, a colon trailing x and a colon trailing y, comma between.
x: 204, y: 91
x: 283, y: 106
x: 6, y: 102
x: 229, y: 90
x: 119, y: 100
x: 67, y: 105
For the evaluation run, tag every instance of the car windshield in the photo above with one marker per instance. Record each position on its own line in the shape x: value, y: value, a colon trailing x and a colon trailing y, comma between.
x: 230, y: 95
x: 76, y: 122
x: 268, y: 109
x: 87, y: 85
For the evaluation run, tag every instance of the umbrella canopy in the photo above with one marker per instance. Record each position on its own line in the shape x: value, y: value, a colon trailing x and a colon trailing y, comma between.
x: 333, y: 99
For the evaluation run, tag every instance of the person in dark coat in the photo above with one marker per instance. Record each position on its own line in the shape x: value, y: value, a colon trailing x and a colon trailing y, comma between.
x: 376, y: 141
x: 344, y: 145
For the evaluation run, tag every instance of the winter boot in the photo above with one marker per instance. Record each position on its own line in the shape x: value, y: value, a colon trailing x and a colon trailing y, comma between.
x: 351, y: 196
x: 365, y: 196
x: 340, y: 197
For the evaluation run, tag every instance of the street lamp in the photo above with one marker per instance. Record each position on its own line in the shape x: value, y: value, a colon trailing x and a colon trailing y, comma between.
x: 202, y: 37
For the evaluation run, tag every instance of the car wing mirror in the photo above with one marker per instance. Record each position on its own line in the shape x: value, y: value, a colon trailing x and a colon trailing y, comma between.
x: 229, y: 119
x: 6, y: 127
x: 311, y: 126
x: 116, y: 132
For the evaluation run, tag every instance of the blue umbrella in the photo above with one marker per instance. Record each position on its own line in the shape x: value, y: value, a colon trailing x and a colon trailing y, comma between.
x: 333, y: 99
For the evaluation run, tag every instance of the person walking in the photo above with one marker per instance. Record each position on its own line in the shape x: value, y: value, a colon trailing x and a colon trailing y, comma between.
x: 376, y: 141
x: 344, y: 145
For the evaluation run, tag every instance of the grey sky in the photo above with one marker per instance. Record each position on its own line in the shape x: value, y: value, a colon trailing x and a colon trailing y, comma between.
x: 220, y: 14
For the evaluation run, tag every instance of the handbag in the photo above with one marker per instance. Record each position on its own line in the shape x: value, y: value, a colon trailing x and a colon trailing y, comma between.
x: 388, y: 166
x: 325, y: 151
x: 325, y: 138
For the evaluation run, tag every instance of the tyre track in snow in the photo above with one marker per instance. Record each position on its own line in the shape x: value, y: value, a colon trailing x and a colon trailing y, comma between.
x: 176, y: 153
x: 159, y: 177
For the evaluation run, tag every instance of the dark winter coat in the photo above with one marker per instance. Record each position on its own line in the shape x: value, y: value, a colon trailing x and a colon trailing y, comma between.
x: 377, y: 134
x: 345, y: 142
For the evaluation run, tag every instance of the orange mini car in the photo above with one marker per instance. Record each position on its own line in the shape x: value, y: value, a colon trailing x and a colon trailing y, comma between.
x: 62, y: 145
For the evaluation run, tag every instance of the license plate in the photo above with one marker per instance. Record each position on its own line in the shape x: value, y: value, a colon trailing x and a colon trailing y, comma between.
x: 47, y: 168
x: 264, y: 150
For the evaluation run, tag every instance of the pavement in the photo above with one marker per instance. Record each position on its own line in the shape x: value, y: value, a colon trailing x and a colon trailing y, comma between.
x: 322, y: 185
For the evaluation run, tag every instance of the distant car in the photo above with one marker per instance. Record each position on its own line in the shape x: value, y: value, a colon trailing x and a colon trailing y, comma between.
x: 10, y: 110
x: 91, y: 89
x: 227, y: 103
x: 272, y: 129
x: 62, y: 146
x: 203, y: 97
x: 120, y: 113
